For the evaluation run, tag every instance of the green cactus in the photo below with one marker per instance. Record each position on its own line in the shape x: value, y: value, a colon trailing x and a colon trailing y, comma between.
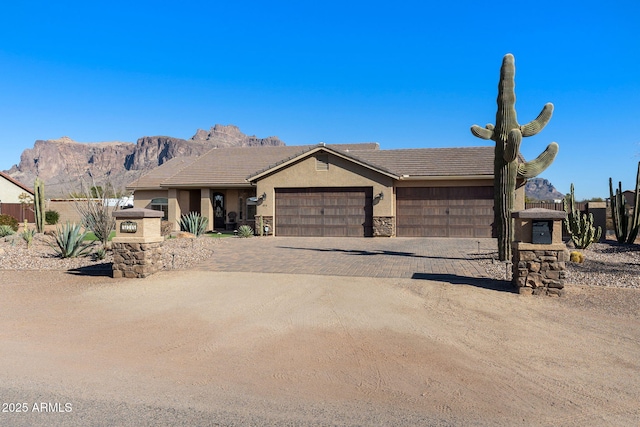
x: 508, y: 134
x: 580, y: 226
x: 39, y: 204
x: 625, y: 224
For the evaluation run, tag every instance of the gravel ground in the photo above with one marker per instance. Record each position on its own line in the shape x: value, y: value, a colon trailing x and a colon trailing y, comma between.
x: 14, y: 254
x: 607, y: 264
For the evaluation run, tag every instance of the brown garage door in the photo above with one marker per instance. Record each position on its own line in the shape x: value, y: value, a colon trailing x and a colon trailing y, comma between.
x: 340, y: 212
x: 444, y: 211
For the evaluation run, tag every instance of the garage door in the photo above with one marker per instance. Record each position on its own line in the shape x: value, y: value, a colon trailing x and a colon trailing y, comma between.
x: 340, y: 212
x: 444, y: 211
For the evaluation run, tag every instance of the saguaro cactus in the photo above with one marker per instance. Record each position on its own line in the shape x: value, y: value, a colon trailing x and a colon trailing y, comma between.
x: 626, y: 225
x: 508, y: 134
x: 39, y: 204
x: 580, y: 226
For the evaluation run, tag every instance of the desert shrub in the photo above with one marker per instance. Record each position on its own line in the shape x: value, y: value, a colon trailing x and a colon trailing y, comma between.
x: 69, y: 241
x: 245, y: 231
x: 10, y: 221
x: 6, y: 230
x: 51, y: 217
x: 194, y: 223
x: 98, y: 218
x: 100, y: 253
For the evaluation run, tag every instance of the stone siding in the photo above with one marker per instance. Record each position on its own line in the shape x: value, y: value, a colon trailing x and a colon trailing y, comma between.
x: 136, y: 260
x: 539, y: 271
x: 267, y: 221
x: 384, y: 226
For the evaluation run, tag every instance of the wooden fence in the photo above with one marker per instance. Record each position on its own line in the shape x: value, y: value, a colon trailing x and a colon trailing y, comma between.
x: 19, y: 211
x: 582, y: 206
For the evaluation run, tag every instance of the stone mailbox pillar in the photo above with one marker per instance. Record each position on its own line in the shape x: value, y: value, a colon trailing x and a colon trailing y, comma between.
x: 539, y: 254
x: 137, y: 246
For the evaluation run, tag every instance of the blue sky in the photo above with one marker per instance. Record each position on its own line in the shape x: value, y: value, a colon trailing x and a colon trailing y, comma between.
x: 406, y: 74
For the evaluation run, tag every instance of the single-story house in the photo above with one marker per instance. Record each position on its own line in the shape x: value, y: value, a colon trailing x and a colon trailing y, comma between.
x: 330, y: 190
x: 10, y: 202
x: 11, y: 189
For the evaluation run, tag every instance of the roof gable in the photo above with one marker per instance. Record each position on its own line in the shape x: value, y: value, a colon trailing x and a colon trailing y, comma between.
x: 232, y: 166
x: 284, y: 163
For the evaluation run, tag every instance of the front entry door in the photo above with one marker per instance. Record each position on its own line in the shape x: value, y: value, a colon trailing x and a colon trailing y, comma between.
x: 219, y: 212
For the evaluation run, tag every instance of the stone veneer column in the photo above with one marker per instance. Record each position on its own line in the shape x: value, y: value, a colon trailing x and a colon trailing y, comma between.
x: 137, y: 246
x: 267, y: 221
x: 384, y: 226
x: 538, y: 268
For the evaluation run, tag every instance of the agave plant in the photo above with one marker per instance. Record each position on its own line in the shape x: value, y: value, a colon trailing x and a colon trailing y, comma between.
x: 245, y: 231
x: 194, y: 223
x: 69, y: 241
x: 6, y: 230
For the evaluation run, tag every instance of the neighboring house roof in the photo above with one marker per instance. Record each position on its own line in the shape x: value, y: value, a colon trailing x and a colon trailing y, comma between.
x: 18, y: 183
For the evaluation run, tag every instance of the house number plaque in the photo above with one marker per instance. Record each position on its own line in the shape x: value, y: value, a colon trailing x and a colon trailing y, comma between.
x: 128, y: 227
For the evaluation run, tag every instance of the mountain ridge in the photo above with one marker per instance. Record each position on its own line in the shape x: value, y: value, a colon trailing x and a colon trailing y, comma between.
x: 65, y: 165
x: 541, y: 189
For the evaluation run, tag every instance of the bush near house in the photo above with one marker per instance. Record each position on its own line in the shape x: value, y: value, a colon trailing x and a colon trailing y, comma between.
x: 10, y: 221
x: 51, y: 217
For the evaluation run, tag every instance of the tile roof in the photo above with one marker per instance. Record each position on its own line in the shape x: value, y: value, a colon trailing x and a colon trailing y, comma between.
x: 431, y: 162
x: 153, y: 178
x: 232, y: 166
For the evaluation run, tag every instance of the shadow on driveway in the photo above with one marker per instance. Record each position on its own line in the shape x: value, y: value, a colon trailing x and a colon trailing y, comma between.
x: 385, y: 252
x: 480, y: 282
x: 104, y: 269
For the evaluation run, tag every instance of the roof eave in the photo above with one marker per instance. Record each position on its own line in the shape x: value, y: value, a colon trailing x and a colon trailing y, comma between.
x: 167, y: 186
x: 443, y: 177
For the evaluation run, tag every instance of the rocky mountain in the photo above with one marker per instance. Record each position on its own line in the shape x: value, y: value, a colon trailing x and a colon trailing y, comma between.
x: 541, y: 189
x: 221, y: 136
x: 67, y: 166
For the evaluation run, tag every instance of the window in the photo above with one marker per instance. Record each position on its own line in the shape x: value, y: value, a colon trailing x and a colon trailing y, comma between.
x: 251, y: 212
x: 161, y: 204
x: 322, y: 162
x: 251, y: 208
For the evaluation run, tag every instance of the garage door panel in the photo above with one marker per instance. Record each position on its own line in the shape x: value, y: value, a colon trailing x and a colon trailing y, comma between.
x: 444, y: 211
x: 324, y: 212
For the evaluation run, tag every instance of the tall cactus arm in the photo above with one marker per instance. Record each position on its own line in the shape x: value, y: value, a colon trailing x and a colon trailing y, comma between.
x: 535, y: 126
x: 484, y: 133
x: 540, y: 163
x: 512, y: 147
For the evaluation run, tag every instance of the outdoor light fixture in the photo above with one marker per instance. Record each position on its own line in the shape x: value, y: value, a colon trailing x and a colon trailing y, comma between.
x: 379, y: 196
x: 263, y: 196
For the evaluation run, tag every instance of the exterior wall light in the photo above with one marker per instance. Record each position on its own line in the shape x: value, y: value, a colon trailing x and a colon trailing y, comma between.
x: 379, y: 196
x: 263, y: 196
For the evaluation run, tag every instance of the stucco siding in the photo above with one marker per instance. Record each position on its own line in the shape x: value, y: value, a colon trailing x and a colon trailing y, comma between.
x: 340, y: 173
x: 9, y: 192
